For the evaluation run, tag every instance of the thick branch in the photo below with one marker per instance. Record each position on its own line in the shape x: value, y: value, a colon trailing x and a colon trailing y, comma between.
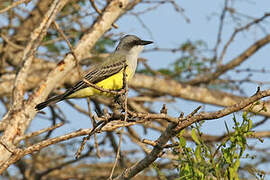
x: 29, y: 53
x: 193, y: 93
x: 19, y: 120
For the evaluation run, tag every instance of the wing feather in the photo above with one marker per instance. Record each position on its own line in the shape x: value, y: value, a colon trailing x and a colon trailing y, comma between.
x: 100, y: 72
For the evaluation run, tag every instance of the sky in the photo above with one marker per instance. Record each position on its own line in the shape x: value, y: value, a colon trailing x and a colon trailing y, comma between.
x: 168, y: 28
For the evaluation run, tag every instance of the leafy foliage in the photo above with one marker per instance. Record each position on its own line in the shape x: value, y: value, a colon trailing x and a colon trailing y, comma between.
x: 220, y: 162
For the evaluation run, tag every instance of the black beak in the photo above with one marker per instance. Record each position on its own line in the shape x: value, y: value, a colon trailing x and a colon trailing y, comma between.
x: 142, y: 42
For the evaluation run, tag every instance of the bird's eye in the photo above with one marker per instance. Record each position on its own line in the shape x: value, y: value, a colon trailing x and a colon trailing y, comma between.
x: 136, y: 42
x: 133, y: 43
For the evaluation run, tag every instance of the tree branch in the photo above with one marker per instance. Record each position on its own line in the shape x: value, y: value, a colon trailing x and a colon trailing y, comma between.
x: 193, y: 93
x: 206, y: 78
x: 19, y: 120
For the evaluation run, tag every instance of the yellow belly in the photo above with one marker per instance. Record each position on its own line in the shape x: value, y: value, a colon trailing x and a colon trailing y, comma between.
x: 114, y: 82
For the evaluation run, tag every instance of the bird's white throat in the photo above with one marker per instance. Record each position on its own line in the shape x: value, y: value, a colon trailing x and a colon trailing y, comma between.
x: 132, y: 57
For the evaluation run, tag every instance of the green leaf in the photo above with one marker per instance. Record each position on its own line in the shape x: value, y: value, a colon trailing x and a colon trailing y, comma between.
x: 198, y: 153
x: 236, y: 164
x: 227, y: 156
x: 249, y: 124
x: 182, y: 142
x: 194, y: 136
x: 181, y: 133
x: 244, y: 115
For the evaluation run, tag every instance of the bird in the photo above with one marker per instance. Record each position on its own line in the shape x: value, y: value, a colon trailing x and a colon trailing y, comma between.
x: 106, y: 75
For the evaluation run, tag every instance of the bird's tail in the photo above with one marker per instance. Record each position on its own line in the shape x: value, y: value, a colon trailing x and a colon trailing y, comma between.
x: 50, y: 101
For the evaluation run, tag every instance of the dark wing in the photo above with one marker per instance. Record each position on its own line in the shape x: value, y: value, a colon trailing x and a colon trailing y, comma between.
x: 99, y: 73
x: 96, y: 74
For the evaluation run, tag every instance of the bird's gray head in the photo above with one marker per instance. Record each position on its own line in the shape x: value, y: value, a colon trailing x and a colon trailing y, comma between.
x: 129, y: 42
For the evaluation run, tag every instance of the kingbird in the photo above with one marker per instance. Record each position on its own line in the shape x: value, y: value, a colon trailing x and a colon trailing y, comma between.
x: 108, y: 74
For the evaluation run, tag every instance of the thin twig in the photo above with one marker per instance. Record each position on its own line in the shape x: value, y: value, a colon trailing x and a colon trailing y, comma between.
x: 95, y: 129
x: 256, y: 21
x: 251, y: 50
x: 70, y: 47
x: 125, y: 86
x: 36, y: 133
x: 222, y: 17
x: 92, y: 118
x: 5, y: 38
x: 14, y: 4
x: 100, y: 12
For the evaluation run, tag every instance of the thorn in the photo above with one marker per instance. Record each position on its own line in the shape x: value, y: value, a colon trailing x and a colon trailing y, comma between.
x: 42, y: 112
x: 164, y: 109
x: 181, y: 115
x: 258, y: 89
x: 195, y: 111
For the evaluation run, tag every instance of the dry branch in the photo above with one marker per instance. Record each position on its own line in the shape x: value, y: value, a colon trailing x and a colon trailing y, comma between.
x: 14, y: 4
x: 20, y: 120
x: 29, y: 53
x: 193, y: 93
